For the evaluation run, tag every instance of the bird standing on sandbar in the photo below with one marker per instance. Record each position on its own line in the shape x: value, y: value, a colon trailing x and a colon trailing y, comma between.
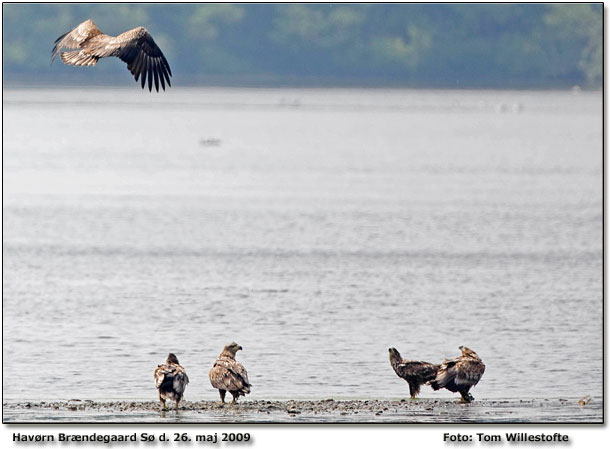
x: 460, y: 374
x: 171, y: 380
x: 136, y: 47
x: 416, y: 373
x: 228, y: 374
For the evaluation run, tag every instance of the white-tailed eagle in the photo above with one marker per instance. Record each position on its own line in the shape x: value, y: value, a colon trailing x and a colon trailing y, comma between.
x: 227, y: 374
x: 460, y: 374
x: 135, y: 47
x: 171, y: 380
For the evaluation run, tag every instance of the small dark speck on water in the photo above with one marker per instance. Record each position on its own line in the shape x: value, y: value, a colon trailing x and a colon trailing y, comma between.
x: 210, y: 142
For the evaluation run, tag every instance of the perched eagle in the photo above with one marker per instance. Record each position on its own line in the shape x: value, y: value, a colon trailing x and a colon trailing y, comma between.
x: 415, y: 373
x: 460, y: 374
x: 229, y: 375
x: 171, y: 380
x: 135, y: 47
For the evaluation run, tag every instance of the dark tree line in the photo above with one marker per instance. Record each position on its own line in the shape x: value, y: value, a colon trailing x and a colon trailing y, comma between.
x: 495, y: 45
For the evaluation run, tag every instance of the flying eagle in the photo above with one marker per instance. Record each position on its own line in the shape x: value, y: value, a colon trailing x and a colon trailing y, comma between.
x: 135, y: 47
x: 229, y: 375
x: 415, y: 373
x: 170, y: 380
x: 460, y: 374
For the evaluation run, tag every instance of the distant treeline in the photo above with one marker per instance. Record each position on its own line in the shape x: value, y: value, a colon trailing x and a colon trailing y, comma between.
x: 430, y: 45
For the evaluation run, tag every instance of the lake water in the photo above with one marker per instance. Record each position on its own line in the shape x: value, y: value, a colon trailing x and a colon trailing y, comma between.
x: 315, y: 227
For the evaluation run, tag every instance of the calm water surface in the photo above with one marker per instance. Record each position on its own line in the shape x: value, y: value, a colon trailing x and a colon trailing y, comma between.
x: 314, y: 227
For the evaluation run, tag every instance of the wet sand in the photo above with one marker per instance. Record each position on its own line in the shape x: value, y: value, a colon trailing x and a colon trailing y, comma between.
x: 559, y: 410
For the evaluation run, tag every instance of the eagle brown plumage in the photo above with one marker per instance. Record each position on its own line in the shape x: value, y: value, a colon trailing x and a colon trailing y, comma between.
x: 414, y: 372
x: 136, y: 47
x: 460, y: 374
x: 227, y: 374
x: 171, y: 380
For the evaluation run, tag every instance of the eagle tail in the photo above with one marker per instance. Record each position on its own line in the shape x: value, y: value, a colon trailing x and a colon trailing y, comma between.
x: 78, y: 58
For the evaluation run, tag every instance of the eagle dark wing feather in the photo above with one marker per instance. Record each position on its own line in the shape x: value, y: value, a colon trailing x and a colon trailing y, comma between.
x: 144, y: 58
x: 157, y: 80
x: 241, y: 375
x: 143, y: 70
x: 150, y: 75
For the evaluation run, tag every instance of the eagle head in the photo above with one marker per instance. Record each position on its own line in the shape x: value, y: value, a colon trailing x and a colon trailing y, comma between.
x: 233, y: 347
x: 171, y: 358
x: 394, y: 354
x: 467, y: 352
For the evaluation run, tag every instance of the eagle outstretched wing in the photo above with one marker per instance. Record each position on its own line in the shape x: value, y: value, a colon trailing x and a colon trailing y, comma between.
x: 144, y: 58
